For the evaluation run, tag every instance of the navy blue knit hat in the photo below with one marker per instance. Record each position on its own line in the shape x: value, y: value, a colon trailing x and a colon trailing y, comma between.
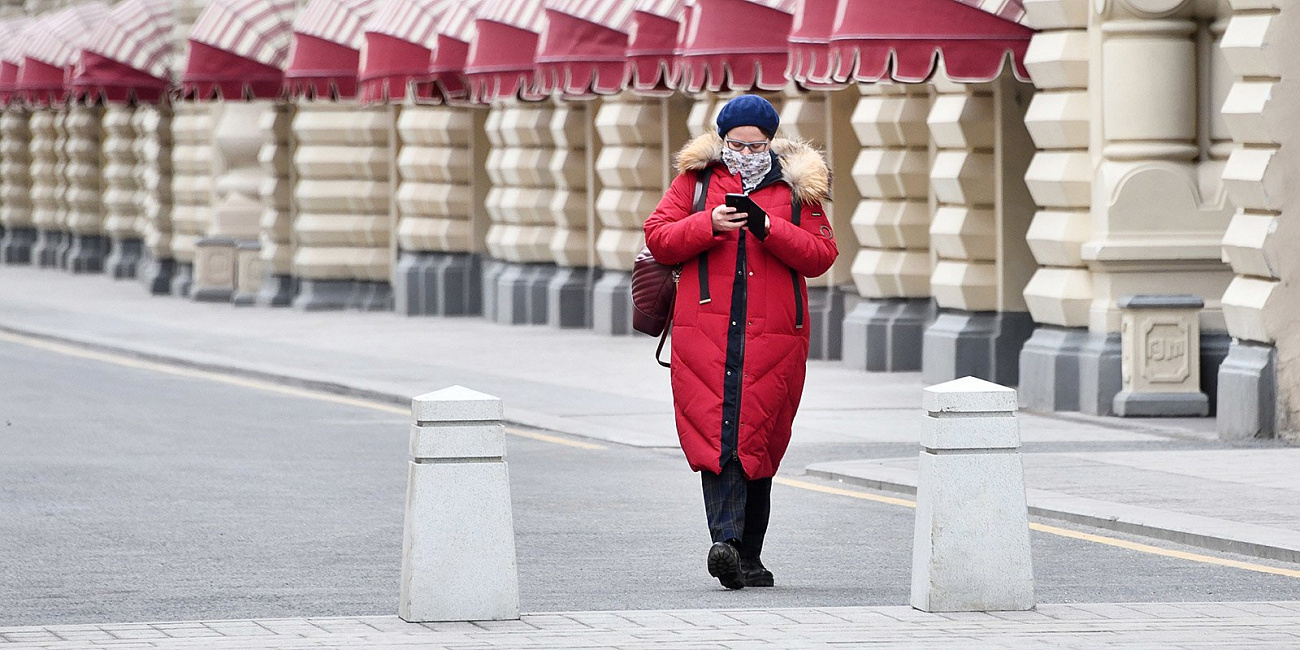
x: 748, y: 110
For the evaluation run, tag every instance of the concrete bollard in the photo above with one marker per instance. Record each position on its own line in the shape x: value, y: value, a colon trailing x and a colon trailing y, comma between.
x: 458, y: 545
x: 971, y: 548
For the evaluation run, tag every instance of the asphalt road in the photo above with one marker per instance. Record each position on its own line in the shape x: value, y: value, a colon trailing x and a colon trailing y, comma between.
x: 128, y: 494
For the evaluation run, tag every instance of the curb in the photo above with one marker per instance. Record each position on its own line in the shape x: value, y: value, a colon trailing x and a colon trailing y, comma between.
x: 1192, y: 530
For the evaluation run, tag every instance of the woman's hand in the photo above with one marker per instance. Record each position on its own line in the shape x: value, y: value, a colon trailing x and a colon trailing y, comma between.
x: 723, y: 219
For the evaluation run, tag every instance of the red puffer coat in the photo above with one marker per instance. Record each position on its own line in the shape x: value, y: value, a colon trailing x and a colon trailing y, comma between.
x: 740, y: 344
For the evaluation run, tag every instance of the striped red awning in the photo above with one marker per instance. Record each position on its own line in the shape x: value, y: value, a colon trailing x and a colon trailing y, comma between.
x: 327, y: 40
x: 402, y: 39
x: 12, y: 44
x: 238, y: 49
x: 584, y: 48
x: 502, y: 57
x: 906, y: 41
x: 810, y: 48
x: 735, y: 45
x: 51, y: 49
x: 128, y: 56
x: 652, y: 48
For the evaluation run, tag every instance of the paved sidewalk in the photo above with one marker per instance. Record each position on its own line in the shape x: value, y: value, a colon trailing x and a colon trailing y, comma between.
x: 1222, y: 626
x: 1167, y: 478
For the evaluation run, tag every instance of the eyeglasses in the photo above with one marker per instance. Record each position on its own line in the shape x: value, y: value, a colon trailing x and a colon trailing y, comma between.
x: 754, y: 147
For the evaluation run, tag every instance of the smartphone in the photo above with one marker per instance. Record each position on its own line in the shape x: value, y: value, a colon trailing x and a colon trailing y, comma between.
x: 755, y: 217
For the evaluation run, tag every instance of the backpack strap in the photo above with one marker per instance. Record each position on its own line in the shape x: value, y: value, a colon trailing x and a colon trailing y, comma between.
x: 701, y: 195
x: 701, y: 199
x: 796, y: 213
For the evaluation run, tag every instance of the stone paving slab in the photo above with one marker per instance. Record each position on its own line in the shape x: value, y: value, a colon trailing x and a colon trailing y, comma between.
x: 1252, y: 625
x: 1190, y: 498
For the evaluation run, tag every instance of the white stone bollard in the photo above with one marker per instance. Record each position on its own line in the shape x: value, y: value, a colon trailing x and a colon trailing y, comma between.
x: 971, y: 549
x: 458, y: 545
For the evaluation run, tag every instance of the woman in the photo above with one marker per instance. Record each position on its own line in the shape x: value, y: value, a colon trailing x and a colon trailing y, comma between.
x: 740, y: 341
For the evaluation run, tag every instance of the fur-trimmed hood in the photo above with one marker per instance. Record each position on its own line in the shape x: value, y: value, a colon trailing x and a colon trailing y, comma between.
x: 803, y: 168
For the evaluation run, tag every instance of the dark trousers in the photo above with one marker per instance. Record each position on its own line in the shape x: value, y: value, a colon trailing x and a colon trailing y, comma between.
x: 738, y: 509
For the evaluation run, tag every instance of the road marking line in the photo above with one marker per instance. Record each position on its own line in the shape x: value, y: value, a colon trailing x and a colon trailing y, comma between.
x: 1061, y: 532
x: 255, y: 384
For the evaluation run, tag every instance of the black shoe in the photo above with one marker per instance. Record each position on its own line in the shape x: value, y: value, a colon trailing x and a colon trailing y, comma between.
x: 724, y: 564
x: 754, y: 573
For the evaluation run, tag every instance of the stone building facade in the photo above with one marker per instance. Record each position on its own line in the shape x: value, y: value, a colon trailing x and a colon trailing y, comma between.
x: 999, y: 223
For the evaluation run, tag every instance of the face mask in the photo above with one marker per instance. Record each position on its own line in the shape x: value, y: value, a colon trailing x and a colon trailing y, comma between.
x: 752, y: 167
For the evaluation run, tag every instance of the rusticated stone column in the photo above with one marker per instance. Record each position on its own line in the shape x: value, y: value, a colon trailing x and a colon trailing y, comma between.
x: 45, y: 188
x: 16, y: 187
x: 442, y: 223
x: 978, y: 230
x: 824, y: 119
x: 573, y: 209
x: 639, y: 136
x: 153, y: 126
x: 194, y: 167
x: 343, y: 160
x: 1060, y: 180
x: 84, y: 189
x: 891, y: 269
x: 1259, y: 382
x: 279, y: 286
x: 121, y: 203
x: 1158, y: 210
x: 519, y: 204
x: 237, y: 206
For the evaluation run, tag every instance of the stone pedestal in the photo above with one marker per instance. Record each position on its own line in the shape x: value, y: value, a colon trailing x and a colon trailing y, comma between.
x: 87, y: 253
x: 1049, y: 368
x: 569, y: 297
x: 16, y: 246
x: 1161, y: 341
x: 277, y: 290
x: 438, y: 284
x: 826, y: 322
x: 1247, y: 400
x: 458, y: 542
x: 611, y: 303
x: 980, y: 344
x: 214, y: 269
x: 250, y: 272
x: 885, y: 335
x: 970, y: 550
